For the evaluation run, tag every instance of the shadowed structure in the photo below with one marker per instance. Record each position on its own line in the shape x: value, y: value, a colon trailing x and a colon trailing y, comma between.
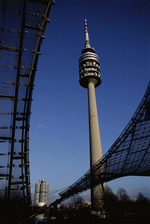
x: 22, y: 26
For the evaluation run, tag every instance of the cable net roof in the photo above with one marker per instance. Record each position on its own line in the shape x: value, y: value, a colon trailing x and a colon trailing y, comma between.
x: 22, y: 26
x: 129, y: 155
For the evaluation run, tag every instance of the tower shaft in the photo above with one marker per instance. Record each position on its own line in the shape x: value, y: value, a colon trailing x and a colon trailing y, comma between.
x: 95, y: 142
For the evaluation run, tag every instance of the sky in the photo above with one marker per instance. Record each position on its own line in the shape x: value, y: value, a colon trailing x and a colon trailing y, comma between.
x: 59, y: 133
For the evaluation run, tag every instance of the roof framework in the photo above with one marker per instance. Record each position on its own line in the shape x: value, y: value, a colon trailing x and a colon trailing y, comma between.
x: 22, y: 26
x: 129, y: 155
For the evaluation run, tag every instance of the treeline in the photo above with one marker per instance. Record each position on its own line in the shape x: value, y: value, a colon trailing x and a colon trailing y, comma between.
x: 115, y: 206
x: 120, y: 206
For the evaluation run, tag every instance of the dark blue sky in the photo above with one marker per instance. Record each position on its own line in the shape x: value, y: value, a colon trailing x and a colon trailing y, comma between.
x: 119, y: 32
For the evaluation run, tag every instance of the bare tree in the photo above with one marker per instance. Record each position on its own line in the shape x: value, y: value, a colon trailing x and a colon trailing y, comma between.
x: 140, y: 197
x: 63, y: 207
x: 76, y: 200
x: 110, y: 195
x: 122, y: 195
x: 70, y: 206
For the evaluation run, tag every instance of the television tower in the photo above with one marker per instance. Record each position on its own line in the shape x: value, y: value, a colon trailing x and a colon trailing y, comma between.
x: 90, y: 77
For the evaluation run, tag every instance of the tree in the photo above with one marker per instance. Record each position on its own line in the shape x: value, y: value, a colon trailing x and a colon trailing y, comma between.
x: 70, y: 206
x: 110, y: 195
x: 110, y: 202
x: 140, y: 197
x: 76, y: 200
x: 63, y: 207
x: 122, y: 195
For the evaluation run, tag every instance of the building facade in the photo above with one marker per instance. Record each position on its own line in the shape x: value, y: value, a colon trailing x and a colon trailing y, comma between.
x: 41, y: 192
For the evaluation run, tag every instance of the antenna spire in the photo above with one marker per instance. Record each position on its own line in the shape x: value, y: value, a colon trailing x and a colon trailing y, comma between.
x: 87, y: 41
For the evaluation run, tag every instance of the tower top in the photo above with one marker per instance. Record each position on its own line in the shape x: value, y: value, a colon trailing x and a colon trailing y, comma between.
x: 87, y: 41
x: 88, y: 63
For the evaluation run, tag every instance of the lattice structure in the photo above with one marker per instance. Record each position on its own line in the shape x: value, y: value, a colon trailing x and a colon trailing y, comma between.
x: 22, y: 26
x: 129, y: 155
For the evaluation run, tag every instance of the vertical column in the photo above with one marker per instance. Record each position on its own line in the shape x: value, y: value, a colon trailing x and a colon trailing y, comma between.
x: 95, y: 143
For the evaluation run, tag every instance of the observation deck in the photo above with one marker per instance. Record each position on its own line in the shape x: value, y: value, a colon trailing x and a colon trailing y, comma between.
x: 89, y: 67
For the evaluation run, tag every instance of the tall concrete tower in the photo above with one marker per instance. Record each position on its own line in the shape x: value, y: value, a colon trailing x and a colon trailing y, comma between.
x: 90, y: 77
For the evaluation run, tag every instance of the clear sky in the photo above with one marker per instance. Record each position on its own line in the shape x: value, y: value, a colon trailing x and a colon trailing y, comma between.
x: 119, y: 32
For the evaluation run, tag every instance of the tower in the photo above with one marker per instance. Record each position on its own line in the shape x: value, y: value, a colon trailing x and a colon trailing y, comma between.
x: 90, y: 77
x: 41, y: 192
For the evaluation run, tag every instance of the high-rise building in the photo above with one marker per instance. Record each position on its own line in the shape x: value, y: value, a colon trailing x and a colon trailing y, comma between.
x: 41, y: 192
x: 90, y: 77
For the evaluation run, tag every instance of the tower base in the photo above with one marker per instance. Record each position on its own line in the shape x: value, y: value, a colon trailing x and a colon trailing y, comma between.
x: 97, y: 198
